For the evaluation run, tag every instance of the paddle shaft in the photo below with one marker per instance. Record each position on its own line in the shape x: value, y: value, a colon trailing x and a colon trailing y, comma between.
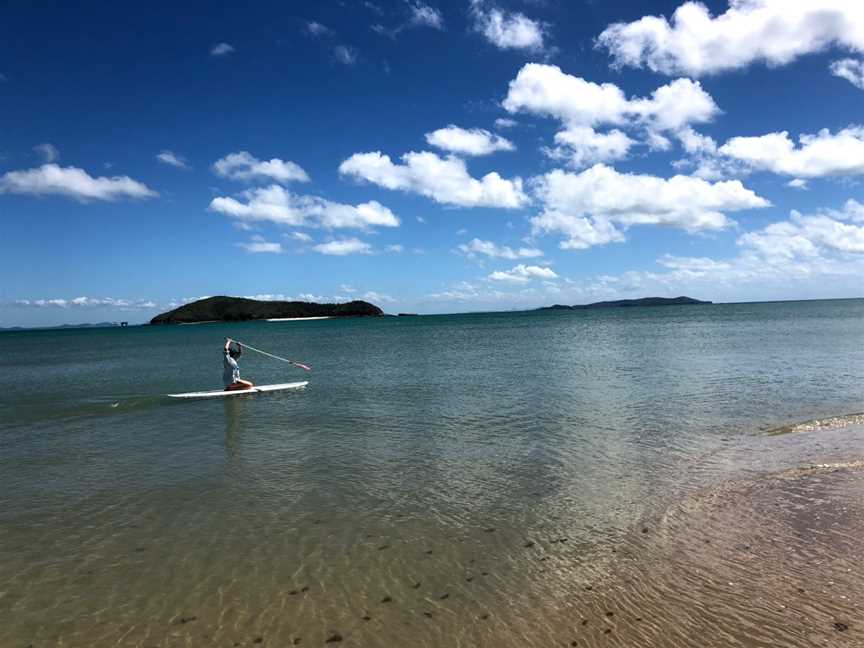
x: 275, y: 357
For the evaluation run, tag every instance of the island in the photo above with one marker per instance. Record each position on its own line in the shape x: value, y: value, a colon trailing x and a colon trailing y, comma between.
x: 240, y: 309
x: 629, y: 303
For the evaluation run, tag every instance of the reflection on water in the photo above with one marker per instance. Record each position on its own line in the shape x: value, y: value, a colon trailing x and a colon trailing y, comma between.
x: 480, y: 480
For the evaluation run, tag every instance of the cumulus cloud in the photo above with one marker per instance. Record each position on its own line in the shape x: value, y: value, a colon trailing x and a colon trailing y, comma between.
x: 345, y: 55
x: 244, y: 166
x: 72, y: 182
x: 822, y: 154
x: 444, y: 180
x: 474, y: 141
x: 488, y: 248
x: 505, y: 122
x: 798, y: 183
x: 696, y: 43
x: 172, y: 159
x: 303, y: 237
x: 373, y: 296
x: 507, y: 30
x: 545, y: 90
x: 522, y: 274
x: 48, y: 152
x: 596, y: 206
x: 278, y: 205
x: 221, y: 49
x: 850, y: 69
x: 343, y: 247
x: 396, y: 248
x: 583, y: 146
x: 258, y: 245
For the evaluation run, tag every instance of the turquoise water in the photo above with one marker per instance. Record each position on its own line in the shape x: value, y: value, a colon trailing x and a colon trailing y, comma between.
x: 425, y: 450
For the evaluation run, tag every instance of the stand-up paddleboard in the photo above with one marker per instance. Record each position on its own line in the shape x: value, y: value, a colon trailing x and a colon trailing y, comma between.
x: 257, y: 389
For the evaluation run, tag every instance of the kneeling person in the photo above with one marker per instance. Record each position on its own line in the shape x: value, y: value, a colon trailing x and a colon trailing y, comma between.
x: 231, y: 370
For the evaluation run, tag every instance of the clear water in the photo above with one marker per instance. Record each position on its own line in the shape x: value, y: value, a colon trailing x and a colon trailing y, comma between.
x: 424, y: 456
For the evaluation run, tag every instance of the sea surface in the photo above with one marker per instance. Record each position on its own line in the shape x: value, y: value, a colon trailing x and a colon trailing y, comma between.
x: 450, y: 480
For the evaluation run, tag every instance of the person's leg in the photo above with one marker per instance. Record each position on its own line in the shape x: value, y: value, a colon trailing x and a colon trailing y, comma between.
x: 244, y: 384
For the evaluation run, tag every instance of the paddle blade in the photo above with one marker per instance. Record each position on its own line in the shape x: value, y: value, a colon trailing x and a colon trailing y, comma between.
x: 302, y: 366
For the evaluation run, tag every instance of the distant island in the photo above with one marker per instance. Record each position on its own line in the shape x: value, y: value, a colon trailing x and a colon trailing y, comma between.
x: 629, y: 303
x: 64, y: 326
x: 239, y: 309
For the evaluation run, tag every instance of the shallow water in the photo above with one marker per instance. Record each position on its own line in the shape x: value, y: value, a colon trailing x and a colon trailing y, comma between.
x: 424, y: 456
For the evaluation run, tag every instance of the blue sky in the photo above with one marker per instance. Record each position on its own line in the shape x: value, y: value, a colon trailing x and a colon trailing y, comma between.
x: 427, y: 156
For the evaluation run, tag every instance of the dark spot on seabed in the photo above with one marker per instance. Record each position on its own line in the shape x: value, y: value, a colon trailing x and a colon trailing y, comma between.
x: 305, y: 588
x: 490, y: 529
x: 444, y: 596
x: 386, y: 599
x: 428, y: 615
x: 258, y: 640
x: 297, y: 641
x: 584, y: 622
x: 187, y: 619
x: 645, y: 530
x: 366, y: 617
x: 588, y: 588
x: 840, y: 627
x: 574, y: 643
x: 429, y: 552
x: 484, y: 616
x: 293, y: 592
x: 334, y: 638
x: 607, y: 631
x: 529, y: 544
x: 469, y: 579
x: 609, y: 614
x: 416, y: 585
x: 382, y: 547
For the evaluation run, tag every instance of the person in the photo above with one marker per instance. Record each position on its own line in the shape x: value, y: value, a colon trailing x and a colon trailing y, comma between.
x: 231, y: 370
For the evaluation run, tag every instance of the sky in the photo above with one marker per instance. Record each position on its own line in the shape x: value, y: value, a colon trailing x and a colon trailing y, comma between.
x: 428, y: 157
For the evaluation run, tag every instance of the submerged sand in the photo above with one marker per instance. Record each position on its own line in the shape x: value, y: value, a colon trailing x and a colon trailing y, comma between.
x: 765, y: 560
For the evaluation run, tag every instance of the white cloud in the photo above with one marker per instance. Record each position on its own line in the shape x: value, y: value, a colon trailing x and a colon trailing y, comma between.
x: 301, y: 236
x: 172, y: 159
x: 243, y: 166
x: 314, y: 28
x: 373, y: 296
x: 444, y: 180
x: 396, y: 248
x: 474, y: 141
x: 775, y: 32
x: 850, y: 69
x: 48, y: 152
x: 343, y: 247
x: 822, y: 154
x: 221, y: 49
x: 423, y: 15
x: 488, y: 248
x: 596, y: 206
x: 259, y: 245
x: 798, y: 183
x: 346, y: 288
x: 278, y: 205
x: 87, y: 302
x: 507, y: 30
x: 504, y: 122
x: 583, y: 146
x: 345, y: 55
x: 545, y: 90
x: 72, y: 182
x: 521, y: 274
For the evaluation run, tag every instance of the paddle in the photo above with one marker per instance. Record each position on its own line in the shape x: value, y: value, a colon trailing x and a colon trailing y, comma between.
x: 270, y: 355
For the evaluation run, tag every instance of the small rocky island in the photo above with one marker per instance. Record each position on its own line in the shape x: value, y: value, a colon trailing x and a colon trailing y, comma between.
x: 627, y: 303
x: 239, y: 309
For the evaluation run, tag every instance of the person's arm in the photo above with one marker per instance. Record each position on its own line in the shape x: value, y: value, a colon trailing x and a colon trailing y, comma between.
x: 227, y: 344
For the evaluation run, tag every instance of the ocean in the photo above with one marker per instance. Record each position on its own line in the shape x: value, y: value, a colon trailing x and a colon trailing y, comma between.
x: 448, y: 480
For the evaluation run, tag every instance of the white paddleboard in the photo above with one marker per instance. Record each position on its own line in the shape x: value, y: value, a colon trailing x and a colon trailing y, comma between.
x: 237, y: 392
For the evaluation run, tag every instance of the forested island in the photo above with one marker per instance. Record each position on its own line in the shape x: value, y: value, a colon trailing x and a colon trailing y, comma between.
x: 240, y: 309
x: 627, y: 303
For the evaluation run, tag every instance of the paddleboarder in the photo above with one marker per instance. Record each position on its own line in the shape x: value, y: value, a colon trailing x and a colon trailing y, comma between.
x: 230, y: 368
